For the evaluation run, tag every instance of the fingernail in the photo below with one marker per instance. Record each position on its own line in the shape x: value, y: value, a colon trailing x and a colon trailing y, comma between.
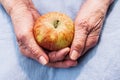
x: 74, y: 55
x: 42, y: 60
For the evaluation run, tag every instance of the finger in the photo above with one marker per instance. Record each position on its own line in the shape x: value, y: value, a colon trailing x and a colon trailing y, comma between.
x: 64, y: 64
x: 67, y: 57
x: 79, y: 41
x: 30, y: 48
x: 93, y: 36
x: 91, y: 42
x: 58, y: 55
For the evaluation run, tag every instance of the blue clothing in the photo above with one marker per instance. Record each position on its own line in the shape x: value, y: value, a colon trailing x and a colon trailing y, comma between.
x: 100, y: 63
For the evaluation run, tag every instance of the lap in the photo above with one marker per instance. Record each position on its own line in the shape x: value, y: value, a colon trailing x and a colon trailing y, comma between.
x: 101, y: 62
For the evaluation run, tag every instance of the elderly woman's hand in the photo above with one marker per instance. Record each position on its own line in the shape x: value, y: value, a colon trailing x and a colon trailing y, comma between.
x: 88, y: 25
x: 23, y: 15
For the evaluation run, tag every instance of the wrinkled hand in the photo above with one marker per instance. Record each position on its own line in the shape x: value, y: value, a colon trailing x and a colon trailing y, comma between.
x: 23, y: 16
x: 88, y: 25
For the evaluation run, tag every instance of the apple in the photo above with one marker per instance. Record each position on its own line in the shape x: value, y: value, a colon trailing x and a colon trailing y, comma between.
x: 54, y: 31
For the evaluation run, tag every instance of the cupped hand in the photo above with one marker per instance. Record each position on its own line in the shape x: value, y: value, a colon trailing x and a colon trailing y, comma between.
x: 88, y: 26
x: 86, y: 37
x: 23, y: 16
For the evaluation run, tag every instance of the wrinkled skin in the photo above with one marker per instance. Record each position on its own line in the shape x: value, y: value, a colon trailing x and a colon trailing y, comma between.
x: 87, y: 30
x: 88, y: 26
x: 23, y: 18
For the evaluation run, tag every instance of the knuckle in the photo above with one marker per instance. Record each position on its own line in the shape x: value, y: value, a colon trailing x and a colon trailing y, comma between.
x: 22, y: 41
x: 52, y: 57
x: 78, y: 44
x: 94, y: 40
x: 83, y: 25
x: 24, y: 51
x: 78, y: 47
x: 22, y: 35
x: 34, y: 52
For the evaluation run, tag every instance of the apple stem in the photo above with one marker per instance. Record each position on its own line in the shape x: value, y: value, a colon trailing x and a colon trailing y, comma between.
x: 56, y: 22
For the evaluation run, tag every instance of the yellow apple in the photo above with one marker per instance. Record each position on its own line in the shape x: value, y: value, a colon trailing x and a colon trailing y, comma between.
x: 54, y: 31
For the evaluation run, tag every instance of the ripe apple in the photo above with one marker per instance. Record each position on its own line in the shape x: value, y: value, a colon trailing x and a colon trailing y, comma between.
x: 54, y: 31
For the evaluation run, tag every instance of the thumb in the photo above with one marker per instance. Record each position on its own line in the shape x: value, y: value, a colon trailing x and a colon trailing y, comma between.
x: 29, y: 47
x: 78, y: 42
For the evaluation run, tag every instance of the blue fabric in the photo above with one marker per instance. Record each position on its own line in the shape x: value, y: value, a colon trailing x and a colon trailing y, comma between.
x: 100, y: 63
